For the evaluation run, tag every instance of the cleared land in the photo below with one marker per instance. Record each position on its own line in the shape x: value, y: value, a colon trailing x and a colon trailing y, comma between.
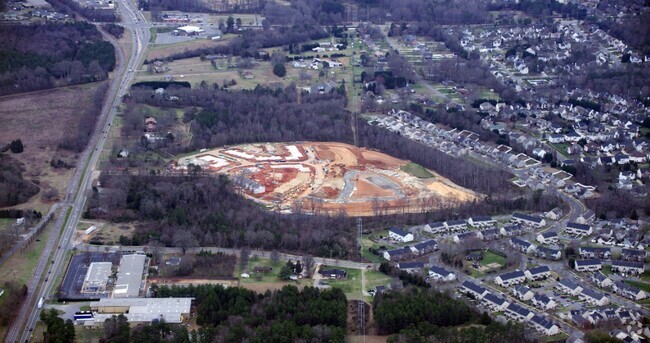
x: 42, y: 120
x: 327, y: 178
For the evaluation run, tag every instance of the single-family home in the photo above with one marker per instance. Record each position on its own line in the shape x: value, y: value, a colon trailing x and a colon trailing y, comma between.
x: 593, y: 297
x: 627, y: 267
x: 601, y: 280
x: 518, y: 313
x: 522, y: 245
x: 629, y: 291
x: 435, y: 227
x: 526, y: 219
x: 592, y: 252
x: 490, y: 234
x: 538, y: 273
x: 578, y: 229
x: 400, y: 235
x: 567, y: 286
x: 633, y: 255
x: 523, y: 293
x: 397, y: 254
x: 456, y: 225
x: 494, y: 303
x: 509, y: 279
x: 548, y: 253
x: 411, y: 267
x: 588, y: 265
x: 543, y: 301
x: 465, y: 236
x: 512, y: 230
x: 333, y: 273
x: 548, y: 237
x: 481, y: 221
x: 441, y: 274
x: 543, y: 325
x: 473, y: 290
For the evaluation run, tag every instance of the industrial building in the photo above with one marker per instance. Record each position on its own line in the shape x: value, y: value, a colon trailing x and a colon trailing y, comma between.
x: 140, y: 310
x: 97, y: 277
x: 129, y: 276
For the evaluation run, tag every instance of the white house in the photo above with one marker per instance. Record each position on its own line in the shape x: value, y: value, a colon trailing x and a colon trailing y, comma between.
x: 435, y: 227
x: 627, y: 267
x: 455, y: 225
x: 481, y: 221
x: 538, y: 273
x: 528, y: 219
x: 554, y: 214
x: 548, y: 237
x: 397, y: 254
x: 509, y: 279
x: 590, y: 252
x: 548, y: 253
x: 411, y: 267
x: 473, y: 289
x: 601, y: 280
x: 567, y: 286
x: 518, y: 313
x: 441, y: 274
x: 578, y: 229
x: 544, y: 326
x: 400, y: 235
x: 592, y: 297
x: 629, y: 291
x: 512, y: 230
x: 544, y: 302
x: 588, y: 265
x: 523, y: 293
x: 494, y: 303
x: 465, y: 236
x: 522, y: 245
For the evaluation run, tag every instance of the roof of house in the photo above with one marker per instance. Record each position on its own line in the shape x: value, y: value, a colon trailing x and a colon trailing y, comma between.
x: 466, y: 235
x: 436, y: 224
x: 474, y: 287
x: 410, y: 265
x: 512, y: 228
x: 513, y: 307
x: 548, y: 251
x: 490, y: 232
x: 541, y: 321
x: 399, y: 251
x: 482, y: 219
x: 521, y: 289
x: 543, y: 298
x: 626, y: 287
x: 568, y: 283
x: 426, y: 244
x: 398, y: 231
x: 539, y: 270
x: 549, y: 234
x: 512, y: 275
x: 440, y: 271
x: 595, y: 249
x: 576, y: 226
x: 592, y: 294
x: 494, y: 299
x: 633, y: 252
x: 527, y: 217
x: 629, y: 264
x: 333, y: 271
x: 521, y: 242
x: 600, y: 277
x: 591, y: 262
x: 458, y: 222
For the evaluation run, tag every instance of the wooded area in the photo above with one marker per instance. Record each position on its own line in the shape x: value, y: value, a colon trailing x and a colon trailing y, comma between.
x: 236, y: 314
x: 45, y: 55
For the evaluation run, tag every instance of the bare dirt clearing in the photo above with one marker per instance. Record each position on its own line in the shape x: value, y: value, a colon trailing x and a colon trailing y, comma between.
x: 327, y: 177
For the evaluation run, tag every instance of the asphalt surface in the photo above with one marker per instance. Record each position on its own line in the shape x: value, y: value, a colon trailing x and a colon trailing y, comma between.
x: 76, y: 197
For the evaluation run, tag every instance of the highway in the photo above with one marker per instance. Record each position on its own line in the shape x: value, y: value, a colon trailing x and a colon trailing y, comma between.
x: 51, y: 262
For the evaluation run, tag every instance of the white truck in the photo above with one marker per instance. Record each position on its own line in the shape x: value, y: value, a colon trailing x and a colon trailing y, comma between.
x: 41, y: 302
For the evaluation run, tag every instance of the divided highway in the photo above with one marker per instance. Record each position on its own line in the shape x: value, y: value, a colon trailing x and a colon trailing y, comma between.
x: 51, y: 262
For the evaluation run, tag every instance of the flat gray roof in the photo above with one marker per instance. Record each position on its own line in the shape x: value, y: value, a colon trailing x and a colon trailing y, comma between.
x: 129, y: 276
x: 145, y: 309
x: 97, y: 274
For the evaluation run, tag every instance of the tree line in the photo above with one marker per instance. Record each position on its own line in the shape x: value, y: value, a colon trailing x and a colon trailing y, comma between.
x: 45, y: 55
x: 236, y: 314
x: 77, y: 141
x: 14, y: 189
x: 71, y: 7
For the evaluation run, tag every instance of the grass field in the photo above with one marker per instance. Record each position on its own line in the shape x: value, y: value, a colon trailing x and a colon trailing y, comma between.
x: 375, y: 278
x: 416, y: 170
x: 351, y: 285
x: 490, y: 257
x: 256, y: 261
x: 42, y: 120
x: 640, y: 285
x: 561, y: 148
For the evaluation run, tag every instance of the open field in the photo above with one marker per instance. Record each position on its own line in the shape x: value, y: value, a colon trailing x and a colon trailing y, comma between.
x: 490, y: 257
x: 160, y: 51
x: 42, y: 120
x: 326, y: 178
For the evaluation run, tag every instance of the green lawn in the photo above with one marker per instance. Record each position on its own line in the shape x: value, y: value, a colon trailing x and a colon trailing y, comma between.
x: 375, y: 278
x: 416, y: 170
x: 640, y: 285
x: 560, y: 337
x: 153, y: 33
x: 561, y: 148
x: 607, y: 270
x: 350, y: 285
x: 490, y: 257
x: 256, y: 261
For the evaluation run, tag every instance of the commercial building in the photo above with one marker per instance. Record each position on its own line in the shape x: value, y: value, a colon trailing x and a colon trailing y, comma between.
x: 141, y: 310
x: 96, y: 277
x: 129, y: 276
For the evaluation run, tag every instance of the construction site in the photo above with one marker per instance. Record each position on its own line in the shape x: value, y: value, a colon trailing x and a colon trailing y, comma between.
x: 325, y: 177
